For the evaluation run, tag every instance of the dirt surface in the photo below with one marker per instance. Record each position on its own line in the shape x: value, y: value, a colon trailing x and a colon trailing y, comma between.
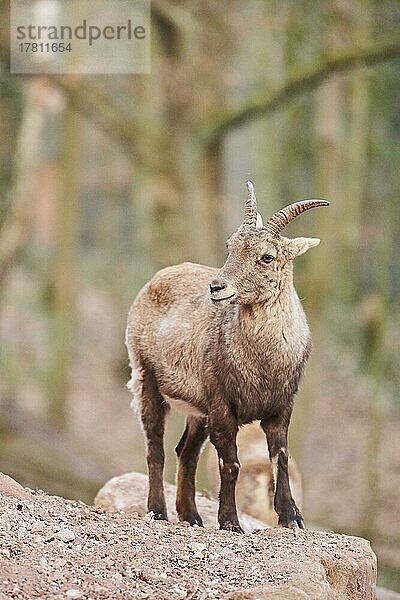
x: 55, y: 548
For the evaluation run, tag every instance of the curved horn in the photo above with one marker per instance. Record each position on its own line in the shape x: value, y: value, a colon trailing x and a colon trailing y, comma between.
x: 280, y: 219
x: 250, y: 214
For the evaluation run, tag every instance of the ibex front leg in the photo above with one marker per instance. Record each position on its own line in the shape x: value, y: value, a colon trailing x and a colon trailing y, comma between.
x: 276, y: 431
x: 223, y: 430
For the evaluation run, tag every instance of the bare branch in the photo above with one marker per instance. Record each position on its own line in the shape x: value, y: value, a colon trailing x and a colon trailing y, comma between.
x: 89, y: 101
x: 126, y: 129
x: 299, y: 83
x: 179, y: 17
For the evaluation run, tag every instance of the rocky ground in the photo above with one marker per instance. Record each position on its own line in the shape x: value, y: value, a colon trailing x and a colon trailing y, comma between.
x: 343, y: 489
x: 53, y: 548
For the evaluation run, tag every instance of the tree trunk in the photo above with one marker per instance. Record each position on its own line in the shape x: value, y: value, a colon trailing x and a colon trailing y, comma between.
x: 16, y: 225
x: 62, y: 320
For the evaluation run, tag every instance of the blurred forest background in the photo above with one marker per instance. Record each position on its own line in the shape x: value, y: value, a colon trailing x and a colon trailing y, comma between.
x: 105, y: 179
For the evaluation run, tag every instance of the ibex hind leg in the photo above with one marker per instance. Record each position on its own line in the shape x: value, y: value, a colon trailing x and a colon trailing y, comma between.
x: 188, y: 451
x: 153, y: 410
x: 285, y: 506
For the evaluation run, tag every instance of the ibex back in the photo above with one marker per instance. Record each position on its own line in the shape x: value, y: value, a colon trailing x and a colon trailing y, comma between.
x: 227, y: 347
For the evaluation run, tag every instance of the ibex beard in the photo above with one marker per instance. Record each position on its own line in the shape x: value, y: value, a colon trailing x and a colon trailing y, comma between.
x: 227, y: 347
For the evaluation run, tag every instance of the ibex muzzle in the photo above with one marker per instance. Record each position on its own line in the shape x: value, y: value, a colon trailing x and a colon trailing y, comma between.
x: 221, y: 290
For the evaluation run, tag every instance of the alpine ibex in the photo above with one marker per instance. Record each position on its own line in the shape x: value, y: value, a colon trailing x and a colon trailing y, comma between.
x: 227, y: 347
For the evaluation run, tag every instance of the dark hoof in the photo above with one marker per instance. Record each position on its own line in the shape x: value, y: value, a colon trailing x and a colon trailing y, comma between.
x: 296, y: 524
x: 292, y: 519
x: 231, y: 526
x: 157, y: 515
x: 193, y: 518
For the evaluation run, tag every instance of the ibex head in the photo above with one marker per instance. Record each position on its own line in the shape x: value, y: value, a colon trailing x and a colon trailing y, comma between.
x: 259, y: 259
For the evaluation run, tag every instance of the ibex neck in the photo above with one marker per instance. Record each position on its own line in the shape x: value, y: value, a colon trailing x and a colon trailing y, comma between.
x: 265, y: 325
x: 286, y: 306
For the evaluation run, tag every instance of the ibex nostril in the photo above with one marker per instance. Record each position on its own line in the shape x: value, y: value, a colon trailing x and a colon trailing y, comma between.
x: 217, y: 286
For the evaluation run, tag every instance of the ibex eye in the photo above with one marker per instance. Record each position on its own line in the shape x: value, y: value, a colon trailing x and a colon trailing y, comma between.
x: 267, y: 258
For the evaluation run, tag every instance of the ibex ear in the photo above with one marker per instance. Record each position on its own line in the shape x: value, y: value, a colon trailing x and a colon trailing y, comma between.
x: 259, y: 223
x: 302, y: 244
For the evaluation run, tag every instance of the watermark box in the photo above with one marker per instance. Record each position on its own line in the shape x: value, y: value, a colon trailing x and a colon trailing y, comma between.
x: 80, y: 36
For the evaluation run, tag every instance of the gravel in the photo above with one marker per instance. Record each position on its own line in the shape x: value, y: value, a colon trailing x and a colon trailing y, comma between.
x: 58, y: 549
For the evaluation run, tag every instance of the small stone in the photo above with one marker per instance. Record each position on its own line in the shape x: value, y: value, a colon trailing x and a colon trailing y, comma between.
x: 43, y: 562
x: 22, y: 531
x: 198, y: 549
x: 179, y: 591
x: 65, y: 535
x: 5, y: 525
x: 74, y: 594
x: 117, y: 578
x: 37, y: 528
